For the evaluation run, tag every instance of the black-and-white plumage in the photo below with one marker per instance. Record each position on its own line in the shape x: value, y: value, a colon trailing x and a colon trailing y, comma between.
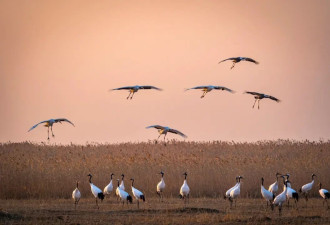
x: 136, y: 88
x: 239, y: 59
x: 291, y: 193
x: 281, y: 198
x: 121, y: 186
x: 124, y: 196
x: 76, y: 195
x: 161, y: 187
x: 98, y: 194
x: 267, y: 195
x: 209, y: 88
x: 137, y: 194
x: 50, y: 123
x: 259, y: 96
x: 325, y: 194
x: 164, y: 130
x: 305, y: 189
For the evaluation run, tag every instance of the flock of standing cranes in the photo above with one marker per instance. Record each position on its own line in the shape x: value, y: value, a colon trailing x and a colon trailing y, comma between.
x: 270, y: 195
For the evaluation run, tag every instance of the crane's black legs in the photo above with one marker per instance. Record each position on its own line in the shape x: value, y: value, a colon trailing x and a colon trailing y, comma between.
x: 254, y: 103
x: 97, y: 204
x: 204, y: 93
x: 48, y: 134
x: 132, y: 95
x: 129, y: 95
x: 233, y: 65
x: 258, y: 103
x: 51, y: 128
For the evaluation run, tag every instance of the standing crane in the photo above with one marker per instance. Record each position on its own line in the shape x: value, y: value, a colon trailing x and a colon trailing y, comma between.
x: 307, y: 187
x: 161, y: 187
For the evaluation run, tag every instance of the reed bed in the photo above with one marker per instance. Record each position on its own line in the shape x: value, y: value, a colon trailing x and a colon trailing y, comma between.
x: 42, y: 171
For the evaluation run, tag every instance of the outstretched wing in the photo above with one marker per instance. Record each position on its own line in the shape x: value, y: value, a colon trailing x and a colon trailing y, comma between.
x: 224, y: 88
x: 272, y: 98
x: 63, y: 120
x: 150, y: 87
x: 122, y: 88
x: 37, y: 125
x: 252, y: 93
x: 250, y: 60
x: 155, y: 126
x: 197, y: 87
x: 232, y: 58
x: 177, y: 132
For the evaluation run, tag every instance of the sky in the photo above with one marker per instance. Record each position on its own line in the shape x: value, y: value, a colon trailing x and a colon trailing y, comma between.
x: 60, y: 58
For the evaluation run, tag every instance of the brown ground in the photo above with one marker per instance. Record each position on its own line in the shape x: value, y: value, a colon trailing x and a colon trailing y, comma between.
x: 171, y: 211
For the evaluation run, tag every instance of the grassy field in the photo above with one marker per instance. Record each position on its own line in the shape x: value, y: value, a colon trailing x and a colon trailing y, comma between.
x: 171, y: 211
x: 36, y: 181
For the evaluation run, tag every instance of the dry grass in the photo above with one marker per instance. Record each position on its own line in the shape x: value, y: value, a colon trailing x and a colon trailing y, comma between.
x: 48, y: 171
x: 172, y: 211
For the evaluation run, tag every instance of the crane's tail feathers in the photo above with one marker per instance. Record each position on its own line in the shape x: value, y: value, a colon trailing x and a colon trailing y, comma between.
x: 142, y: 197
x: 100, y: 196
x: 129, y: 198
x: 295, y: 196
x: 224, y: 197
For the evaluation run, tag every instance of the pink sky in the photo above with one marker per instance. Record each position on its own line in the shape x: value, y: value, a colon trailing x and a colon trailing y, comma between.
x: 60, y: 58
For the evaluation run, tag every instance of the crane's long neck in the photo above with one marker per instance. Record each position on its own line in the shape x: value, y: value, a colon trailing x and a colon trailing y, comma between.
x: 90, y: 179
x: 320, y: 186
x: 162, y: 175
x: 262, y: 182
x: 185, y: 177
x: 111, y: 176
x: 122, y: 177
x: 77, y: 184
x: 118, y: 183
x: 132, y: 183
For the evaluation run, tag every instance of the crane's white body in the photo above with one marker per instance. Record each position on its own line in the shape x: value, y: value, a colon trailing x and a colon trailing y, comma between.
x: 273, y: 187
x: 281, y: 198
x: 137, y: 194
x: 109, y: 188
x: 122, y: 194
x: 76, y: 195
x: 234, y: 193
x: 267, y: 195
x: 122, y: 186
x: 323, y: 193
x: 184, y: 190
x: 95, y: 190
x: 230, y: 189
x: 161, y: 185
x: 307, y: 187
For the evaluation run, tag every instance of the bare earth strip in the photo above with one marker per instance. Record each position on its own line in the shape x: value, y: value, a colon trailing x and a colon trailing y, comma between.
x: 171, y: 211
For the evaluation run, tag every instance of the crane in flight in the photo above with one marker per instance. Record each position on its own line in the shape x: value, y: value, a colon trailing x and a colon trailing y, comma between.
x: 133, y: 89
x: 50, y: 123
x: 238, y: 59
x: 164, y: 130
x: 208, y: 88
x: 259, y: 96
